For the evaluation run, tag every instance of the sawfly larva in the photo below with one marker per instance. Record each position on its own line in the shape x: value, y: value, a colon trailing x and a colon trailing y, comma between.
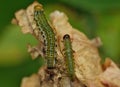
x: 47, y: 34
x: 68, y: 55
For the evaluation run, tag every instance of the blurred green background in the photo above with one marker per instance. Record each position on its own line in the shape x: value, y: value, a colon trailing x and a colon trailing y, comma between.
x: 93, y: 17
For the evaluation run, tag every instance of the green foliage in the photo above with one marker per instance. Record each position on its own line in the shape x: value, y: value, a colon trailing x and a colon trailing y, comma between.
x: 109, y: 31
x: 100, y: 18
x: 14, y: 44
x: 93, y: 5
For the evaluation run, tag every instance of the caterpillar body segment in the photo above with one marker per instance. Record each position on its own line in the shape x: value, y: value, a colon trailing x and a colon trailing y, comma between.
x: 47, y: 34
x: 69, y: 55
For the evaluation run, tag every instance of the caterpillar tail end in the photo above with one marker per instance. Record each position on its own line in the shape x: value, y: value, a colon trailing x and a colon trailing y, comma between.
x: 50, y: 67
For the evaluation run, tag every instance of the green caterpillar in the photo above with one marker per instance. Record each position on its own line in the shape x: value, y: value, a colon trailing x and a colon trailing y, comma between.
x: 48, y: 35
x: 69, y: 55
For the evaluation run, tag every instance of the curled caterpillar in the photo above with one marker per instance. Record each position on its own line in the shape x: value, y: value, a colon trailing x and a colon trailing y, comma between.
x: 47, y: 34
x: 69, y: 55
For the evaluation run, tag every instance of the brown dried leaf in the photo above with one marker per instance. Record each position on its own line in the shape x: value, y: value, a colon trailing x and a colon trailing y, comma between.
x: 32, y: 81
x: 86, y: 57
x: 111, y: 75
x: 88, y: 69
x: 25, y: 19
x: 23, y: 22
x: 35, y: 51
x: 96, y: 42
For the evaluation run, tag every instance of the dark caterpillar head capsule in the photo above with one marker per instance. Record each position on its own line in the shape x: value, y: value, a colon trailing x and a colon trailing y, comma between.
x: 66, y: 36
x: 38, y: 8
